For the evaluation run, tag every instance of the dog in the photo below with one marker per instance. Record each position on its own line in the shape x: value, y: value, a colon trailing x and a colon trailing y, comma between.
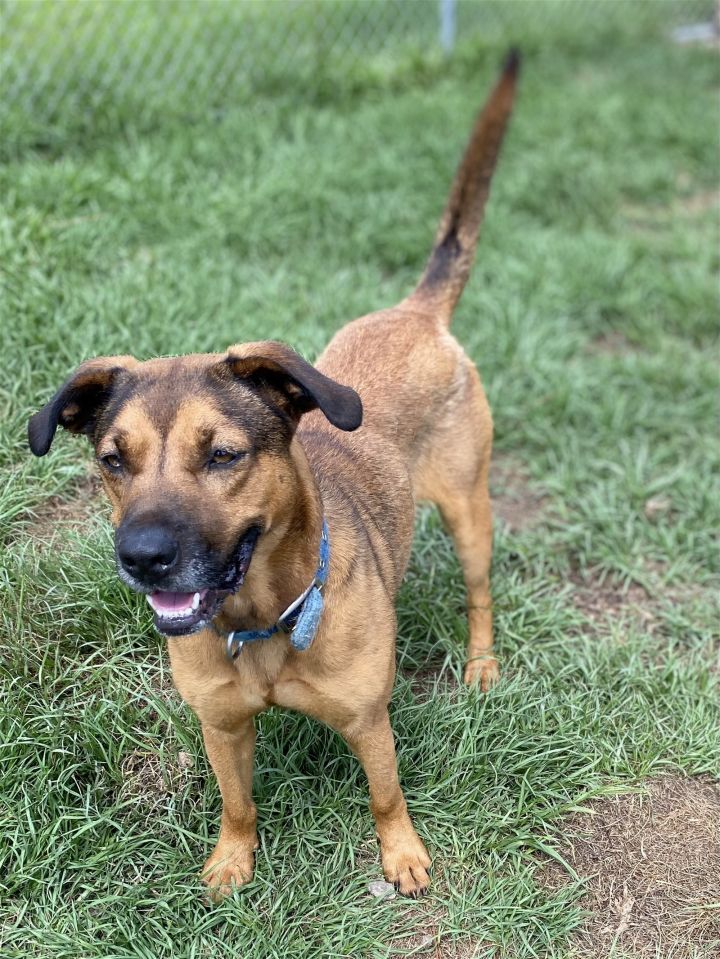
x: 267, y: 513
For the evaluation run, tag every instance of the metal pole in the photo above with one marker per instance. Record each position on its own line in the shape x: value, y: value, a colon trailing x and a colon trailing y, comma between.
x: 447, y: 25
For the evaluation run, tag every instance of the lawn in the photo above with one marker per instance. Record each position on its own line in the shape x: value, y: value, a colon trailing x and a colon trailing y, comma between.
x: 592, y: 314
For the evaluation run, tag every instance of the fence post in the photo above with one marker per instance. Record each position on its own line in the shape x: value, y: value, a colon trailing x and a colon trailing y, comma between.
x: 447, y: 25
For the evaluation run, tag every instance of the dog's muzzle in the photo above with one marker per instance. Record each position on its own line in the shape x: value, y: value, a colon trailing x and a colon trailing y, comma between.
x: 149, y: 557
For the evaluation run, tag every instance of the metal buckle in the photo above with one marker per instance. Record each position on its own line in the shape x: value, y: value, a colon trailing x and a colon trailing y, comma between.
x: 234, y: 646
x: 284, y: 625
x: 282, y: 620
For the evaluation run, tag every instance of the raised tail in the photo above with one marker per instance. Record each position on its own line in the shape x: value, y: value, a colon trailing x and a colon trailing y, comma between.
x: 452, y: 255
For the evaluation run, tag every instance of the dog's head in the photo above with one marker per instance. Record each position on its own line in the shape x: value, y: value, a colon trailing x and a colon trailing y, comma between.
x: 195, y: 456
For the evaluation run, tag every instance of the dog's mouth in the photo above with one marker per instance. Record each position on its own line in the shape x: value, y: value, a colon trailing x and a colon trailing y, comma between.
x: 179, y: 614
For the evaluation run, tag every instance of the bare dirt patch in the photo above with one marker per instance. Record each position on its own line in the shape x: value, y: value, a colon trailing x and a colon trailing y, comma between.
x: 649, y: 218
x: 698, y: 203
x: 430, y: 679
x: 431, y: 943
x: 652, y: 865
x: 611, y: 605
x: 611, y: 343
x: 72, y: 510
x: 602, y: 601
x: 148, y: 781
x: 514, y: 500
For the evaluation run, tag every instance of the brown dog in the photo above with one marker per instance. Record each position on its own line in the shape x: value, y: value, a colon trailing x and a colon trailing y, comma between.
x: 221, y: 470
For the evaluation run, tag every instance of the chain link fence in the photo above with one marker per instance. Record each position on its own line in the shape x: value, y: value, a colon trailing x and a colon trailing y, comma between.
x: 62, y: 55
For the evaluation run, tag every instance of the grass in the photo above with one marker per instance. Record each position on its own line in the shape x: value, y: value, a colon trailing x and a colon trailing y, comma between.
x: 592, y: 315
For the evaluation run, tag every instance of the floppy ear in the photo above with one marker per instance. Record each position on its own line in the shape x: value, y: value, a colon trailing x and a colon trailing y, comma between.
x: 78, y: 402
x: 293, y: 384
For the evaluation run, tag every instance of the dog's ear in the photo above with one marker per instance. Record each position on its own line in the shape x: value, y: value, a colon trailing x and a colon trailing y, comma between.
x: 78, y: 402
x: 292, y: 384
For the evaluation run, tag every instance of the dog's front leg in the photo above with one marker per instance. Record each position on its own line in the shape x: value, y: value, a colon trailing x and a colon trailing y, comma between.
x: 231, y: 757
x: 404, y: 857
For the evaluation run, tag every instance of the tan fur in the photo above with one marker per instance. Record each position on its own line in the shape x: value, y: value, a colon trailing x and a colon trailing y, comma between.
x: 426, y: 434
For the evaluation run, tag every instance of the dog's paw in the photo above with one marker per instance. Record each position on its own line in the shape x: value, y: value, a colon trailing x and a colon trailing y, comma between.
x: 405, y: 865
x: 483, y: 671
x: 231, y: 865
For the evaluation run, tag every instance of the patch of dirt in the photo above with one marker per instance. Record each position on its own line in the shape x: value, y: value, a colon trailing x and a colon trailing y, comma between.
x: 60, y: 512
x: 430, y: 943
x: 698, y: 203
x: 611, y: 343
x: 148, y: 781
x: 601, y: 599
x: 652, y: 865
x: 428, y: 678
x: 514, y: 500
x: 460, y: 948
x: 644, y: 218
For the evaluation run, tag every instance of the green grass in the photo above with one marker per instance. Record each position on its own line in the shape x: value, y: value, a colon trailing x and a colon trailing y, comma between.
x: 286, y: 218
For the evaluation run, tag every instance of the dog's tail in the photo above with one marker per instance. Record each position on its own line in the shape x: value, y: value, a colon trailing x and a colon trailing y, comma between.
x: 452, y: 255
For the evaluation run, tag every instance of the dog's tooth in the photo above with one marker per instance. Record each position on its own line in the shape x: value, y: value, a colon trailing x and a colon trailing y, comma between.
x: 195, y: 601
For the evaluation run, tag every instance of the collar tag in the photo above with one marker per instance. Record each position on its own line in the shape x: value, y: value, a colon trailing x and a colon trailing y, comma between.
x: 308, y: 621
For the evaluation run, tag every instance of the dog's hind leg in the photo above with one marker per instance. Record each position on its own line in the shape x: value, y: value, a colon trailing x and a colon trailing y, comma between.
x: 469, y: 520
x: 453, y: 474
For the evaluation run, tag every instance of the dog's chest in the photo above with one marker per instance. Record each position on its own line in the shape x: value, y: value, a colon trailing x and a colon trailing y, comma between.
x: 312, y: 699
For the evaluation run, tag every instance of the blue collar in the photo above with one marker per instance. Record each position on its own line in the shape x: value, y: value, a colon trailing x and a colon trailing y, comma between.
x: 302, y: 617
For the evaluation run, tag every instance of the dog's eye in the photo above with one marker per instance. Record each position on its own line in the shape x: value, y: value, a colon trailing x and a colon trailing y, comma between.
x: 112, y: 461
x: 223, y: 457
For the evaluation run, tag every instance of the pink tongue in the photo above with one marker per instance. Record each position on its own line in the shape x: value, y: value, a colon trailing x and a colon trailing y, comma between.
x: 164, y: 602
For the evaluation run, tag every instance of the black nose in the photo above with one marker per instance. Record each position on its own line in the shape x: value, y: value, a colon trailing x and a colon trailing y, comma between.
x: 147, y: 551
